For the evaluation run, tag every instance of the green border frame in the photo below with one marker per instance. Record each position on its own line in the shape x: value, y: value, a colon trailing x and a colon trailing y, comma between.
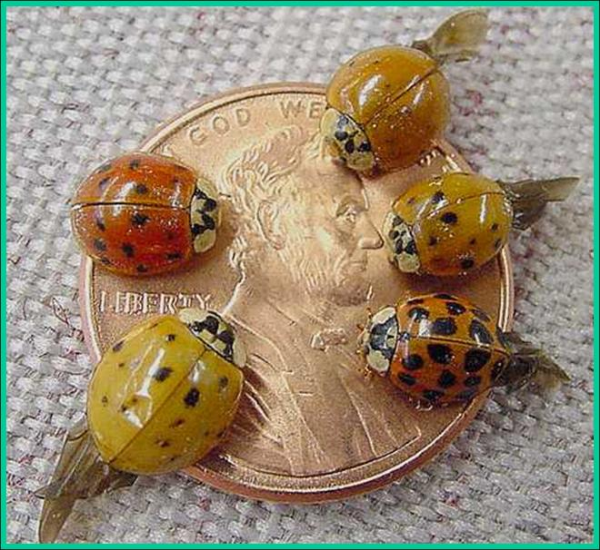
x: 3, y: 343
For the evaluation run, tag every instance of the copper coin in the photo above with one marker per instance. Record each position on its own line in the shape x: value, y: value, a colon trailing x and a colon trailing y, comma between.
x: 298, y: 262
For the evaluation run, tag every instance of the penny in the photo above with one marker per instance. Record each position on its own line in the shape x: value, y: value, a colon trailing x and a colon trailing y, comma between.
x: 298, y: 263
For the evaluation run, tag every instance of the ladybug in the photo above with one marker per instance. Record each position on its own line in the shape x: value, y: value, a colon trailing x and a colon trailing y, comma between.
x: 143, y: 214
x: 159, y: 400
x: 388, y: 105
x: 441, y: 349
x: 456, y: 222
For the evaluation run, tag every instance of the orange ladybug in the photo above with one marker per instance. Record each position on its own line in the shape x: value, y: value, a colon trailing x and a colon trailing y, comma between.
x: 440, y: 349
x: 143, y: 214
x: 386, y: 106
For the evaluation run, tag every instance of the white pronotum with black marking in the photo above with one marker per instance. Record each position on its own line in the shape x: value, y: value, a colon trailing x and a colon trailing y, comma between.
x: 215, y: 333
x: 379, y: 339
x: 400, y: 241
x: 205, y: 215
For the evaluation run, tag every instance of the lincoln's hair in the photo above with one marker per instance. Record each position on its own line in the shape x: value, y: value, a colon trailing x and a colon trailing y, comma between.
x: 259, y: 180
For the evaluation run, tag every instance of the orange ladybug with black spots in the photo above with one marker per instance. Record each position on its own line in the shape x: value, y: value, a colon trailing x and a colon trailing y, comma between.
x: 143, y: 214
x: 455, y: 222
x: 441, y: 349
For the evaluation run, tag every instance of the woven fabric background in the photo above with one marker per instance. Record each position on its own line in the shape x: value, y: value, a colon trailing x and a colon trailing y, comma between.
x: 85, y: 84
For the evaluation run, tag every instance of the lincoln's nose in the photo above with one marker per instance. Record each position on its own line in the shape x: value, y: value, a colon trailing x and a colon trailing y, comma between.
x: 369, y: 236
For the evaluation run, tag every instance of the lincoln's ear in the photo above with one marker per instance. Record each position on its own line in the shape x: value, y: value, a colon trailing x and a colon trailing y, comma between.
x: 267, y: 221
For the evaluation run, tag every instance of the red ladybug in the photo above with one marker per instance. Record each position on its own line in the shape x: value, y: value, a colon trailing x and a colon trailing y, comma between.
x: 143, y: 214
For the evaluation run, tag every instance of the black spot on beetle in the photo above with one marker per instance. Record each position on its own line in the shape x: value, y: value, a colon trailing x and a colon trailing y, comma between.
x: 208, y: 221
x: 226, y: 337
x: 411, y: 248
x: 134, y: 164
x: 454, y: 308
x: 141, y: 268
x: 177, y: 423
x: 162, y: 373
x: 118, y: 346
x: 472, y: 381
x: 341, y: 135
x: 163, y: 443
x: 467, y: 263
x: 412, y: 362
x: 476, y: 359
x: 211, y: 323
x: 418, y: 313
x: 437, y: 197
x: 128, y: 250
x: 480, y: 314
x: 466, y: 395
x: 440, y: 353
x: 223, y: 383
x: 141, y: 189
x: 172, y: 256
x: 433, y: 241
x: 446, y: 379
x: 349, y: 146
x: 197, y: 229
x: 473, y: 240
x: 121, y: 364
x: 407, y: 379
x: 171, y: 337
x: 138, y: 219
x: 210, y: 204
x: 479, y: 333
x: 495, y: 227
x: 104, y: 400
x: 364, y: 147
x: 449, y: 218
x: 444, y: 326
x: 191, y: 397
x: 432, y: 395
x: 99, y: 244
x: 124, y: 408
x: 393, y: 234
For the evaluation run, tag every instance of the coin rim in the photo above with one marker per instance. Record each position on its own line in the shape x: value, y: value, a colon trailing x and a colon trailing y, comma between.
x: 299, y: 494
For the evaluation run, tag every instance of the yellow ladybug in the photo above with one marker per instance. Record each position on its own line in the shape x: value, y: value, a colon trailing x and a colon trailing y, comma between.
x: 159, y: 400
x: 456, y: 222
x: 441, y: 349
x: 387, y: 105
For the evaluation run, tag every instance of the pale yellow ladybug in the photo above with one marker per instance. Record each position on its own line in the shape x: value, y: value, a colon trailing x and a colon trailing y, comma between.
x: 159, y: 400
x: 456, y: 222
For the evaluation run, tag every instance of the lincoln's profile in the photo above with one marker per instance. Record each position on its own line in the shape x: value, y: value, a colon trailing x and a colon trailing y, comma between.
x: 301, y: 247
